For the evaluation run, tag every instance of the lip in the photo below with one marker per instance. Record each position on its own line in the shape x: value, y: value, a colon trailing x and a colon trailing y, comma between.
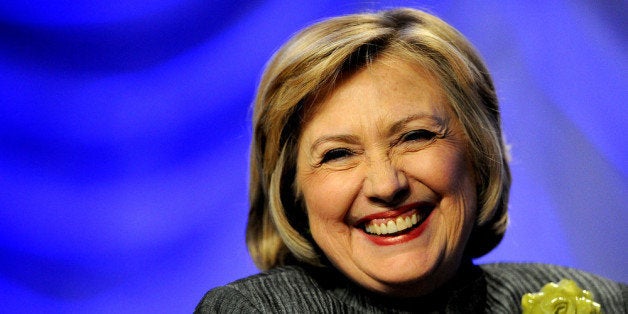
x: 415, y: 232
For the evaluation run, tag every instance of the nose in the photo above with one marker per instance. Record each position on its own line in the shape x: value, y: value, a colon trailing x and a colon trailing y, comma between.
x: 386, y: 184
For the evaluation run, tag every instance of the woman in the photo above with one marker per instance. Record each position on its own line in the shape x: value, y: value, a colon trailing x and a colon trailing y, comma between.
x: 378, y: 172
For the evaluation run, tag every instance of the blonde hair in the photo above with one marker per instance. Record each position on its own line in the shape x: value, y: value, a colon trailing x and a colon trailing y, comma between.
x: 320, y: 56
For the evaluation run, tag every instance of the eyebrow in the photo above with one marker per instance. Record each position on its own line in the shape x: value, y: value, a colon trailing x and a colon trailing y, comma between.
x: 399, y: 125
x: 334, y: 138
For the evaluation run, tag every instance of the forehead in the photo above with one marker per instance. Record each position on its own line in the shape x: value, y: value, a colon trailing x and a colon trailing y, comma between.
x: 389, y: 87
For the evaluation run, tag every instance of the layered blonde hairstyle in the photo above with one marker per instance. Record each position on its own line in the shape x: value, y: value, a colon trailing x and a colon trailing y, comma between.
x: 308, y: 67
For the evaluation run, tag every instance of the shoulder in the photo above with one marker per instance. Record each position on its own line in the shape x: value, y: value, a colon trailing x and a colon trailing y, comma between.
x: 508, y: 282
x: 282, y: 289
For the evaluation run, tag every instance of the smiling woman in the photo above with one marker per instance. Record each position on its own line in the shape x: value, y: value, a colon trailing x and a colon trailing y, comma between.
x: 378, y: 173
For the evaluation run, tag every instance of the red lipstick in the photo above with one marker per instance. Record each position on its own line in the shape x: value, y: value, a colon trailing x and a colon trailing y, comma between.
x: 420, y: 209
x: 402, y: 238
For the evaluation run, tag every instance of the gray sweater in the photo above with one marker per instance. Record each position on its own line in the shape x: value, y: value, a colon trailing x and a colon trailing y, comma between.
x: 490, y: 288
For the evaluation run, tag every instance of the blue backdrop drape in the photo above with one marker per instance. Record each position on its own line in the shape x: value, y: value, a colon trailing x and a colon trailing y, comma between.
x: 124, y: 133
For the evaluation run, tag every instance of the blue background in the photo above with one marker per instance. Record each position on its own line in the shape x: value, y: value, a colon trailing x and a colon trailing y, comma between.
x: 124, y: 133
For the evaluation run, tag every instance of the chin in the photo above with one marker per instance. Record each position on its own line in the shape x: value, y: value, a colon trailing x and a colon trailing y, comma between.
x: 414, y: 275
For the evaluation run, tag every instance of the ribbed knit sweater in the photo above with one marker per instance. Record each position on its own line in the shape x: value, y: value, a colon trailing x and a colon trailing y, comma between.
x: 489, y: 288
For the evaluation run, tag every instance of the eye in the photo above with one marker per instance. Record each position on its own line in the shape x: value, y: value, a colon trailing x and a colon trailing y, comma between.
x: 418, y: 135
x: 335, y: 154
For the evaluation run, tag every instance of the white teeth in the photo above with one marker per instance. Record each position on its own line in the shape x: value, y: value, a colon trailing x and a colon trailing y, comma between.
x: 382, y: 229
x: 393, y: 226
x: 401, y: 223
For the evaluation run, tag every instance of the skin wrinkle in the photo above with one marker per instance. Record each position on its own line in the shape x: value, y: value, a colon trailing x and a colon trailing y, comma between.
x: 439, y: 127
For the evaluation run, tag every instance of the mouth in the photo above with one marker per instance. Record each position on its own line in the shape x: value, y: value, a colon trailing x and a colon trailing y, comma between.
x: 396, y: 222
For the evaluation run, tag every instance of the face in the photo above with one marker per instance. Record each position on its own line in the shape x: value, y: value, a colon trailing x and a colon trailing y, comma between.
x: 387, y: 183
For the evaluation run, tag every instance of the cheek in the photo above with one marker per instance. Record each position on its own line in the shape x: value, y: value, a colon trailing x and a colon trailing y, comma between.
x: 447, y: 172
x: 457, y: 186
x: 328, y: 196
x: 328, y: 199
x: 444, y: 170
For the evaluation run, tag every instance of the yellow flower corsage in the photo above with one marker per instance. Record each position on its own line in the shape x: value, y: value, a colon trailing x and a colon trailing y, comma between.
x: 564, y: 297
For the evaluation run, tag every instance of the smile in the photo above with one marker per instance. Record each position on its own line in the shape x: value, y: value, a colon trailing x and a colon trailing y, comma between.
x: 392, y: 226
x: 396, y: 222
